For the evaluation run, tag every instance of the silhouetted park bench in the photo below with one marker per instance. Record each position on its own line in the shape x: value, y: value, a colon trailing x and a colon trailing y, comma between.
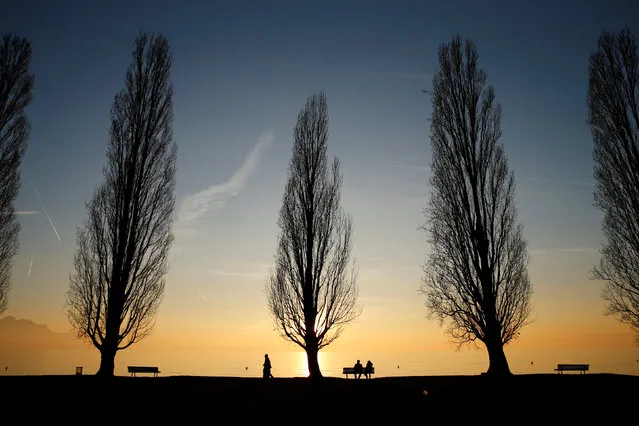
x: 351, y: 370
x: 572, y: 367
x: 133, y: 369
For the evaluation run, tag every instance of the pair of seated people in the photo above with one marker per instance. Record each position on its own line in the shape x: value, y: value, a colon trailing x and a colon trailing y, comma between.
x: 359, y: 369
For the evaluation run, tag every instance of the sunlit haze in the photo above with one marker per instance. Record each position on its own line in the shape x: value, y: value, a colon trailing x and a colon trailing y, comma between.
x: 241, y: 72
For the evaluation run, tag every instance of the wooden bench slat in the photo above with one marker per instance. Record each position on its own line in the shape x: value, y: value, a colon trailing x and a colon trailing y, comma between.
x: 572, y: 367
x: 351, y: 370
x: 143, y: 369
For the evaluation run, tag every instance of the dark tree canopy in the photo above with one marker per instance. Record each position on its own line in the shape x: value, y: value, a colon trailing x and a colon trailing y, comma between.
x: 312, y: 292
x: 476, y: 278
x: 16, y: 83
x: 613, y: 115
x: 122, y: 250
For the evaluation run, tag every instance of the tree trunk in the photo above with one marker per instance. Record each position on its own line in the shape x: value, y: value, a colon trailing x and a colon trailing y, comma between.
x: 313, y: 363
x: 107, y: 361
x: 110, y: 345
x: 498, y: 364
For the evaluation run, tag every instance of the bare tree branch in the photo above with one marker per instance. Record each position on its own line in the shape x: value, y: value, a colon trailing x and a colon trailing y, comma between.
x: 16, y: 83
x: 121, y: 258
x: 312, y: 294
x: 476, y: 278
x: 613, y: 109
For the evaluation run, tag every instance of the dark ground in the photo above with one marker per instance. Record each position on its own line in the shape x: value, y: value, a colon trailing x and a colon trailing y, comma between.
x: 185, y: 400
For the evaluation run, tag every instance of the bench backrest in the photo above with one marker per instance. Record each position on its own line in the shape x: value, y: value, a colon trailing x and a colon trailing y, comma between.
x: 138, y: 369
x: 573, y: 366
x: 351, y: 370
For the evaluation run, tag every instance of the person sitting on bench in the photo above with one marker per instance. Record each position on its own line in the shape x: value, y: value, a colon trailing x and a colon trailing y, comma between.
x: 359, y: 369
x: 368, y: 370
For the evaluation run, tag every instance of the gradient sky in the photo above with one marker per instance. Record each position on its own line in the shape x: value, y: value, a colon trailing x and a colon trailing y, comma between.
x: 241, y: 72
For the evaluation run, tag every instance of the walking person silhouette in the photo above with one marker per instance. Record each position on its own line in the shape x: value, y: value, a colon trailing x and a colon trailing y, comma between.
x: 266, y: 371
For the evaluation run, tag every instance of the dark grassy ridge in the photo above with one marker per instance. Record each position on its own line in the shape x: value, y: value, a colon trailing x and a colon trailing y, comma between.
x: 393, y: 400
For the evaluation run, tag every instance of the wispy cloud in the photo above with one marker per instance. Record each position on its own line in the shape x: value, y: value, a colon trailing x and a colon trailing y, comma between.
x: 565, y: 182
x: 261, y: 272
x: 564, y: 250
x: 45, y: 210
x: 407, y: 166
x: 413, y: 75
x: 215, y: 197
x: 238, y: 274
x: 29, y: 212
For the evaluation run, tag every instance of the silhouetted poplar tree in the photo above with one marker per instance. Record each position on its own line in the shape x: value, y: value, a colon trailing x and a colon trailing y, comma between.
x: 16, y: 83
x: 613, y: 115
x: 312, y: 292
x: 476, y: 278
x: 122, y: 250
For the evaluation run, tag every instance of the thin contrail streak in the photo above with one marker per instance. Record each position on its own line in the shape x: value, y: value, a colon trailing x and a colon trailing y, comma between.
x: 30, y: 265
x: 45, y: 210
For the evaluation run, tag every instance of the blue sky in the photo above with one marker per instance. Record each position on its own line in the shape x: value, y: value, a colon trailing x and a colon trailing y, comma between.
x: 241, y: 72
